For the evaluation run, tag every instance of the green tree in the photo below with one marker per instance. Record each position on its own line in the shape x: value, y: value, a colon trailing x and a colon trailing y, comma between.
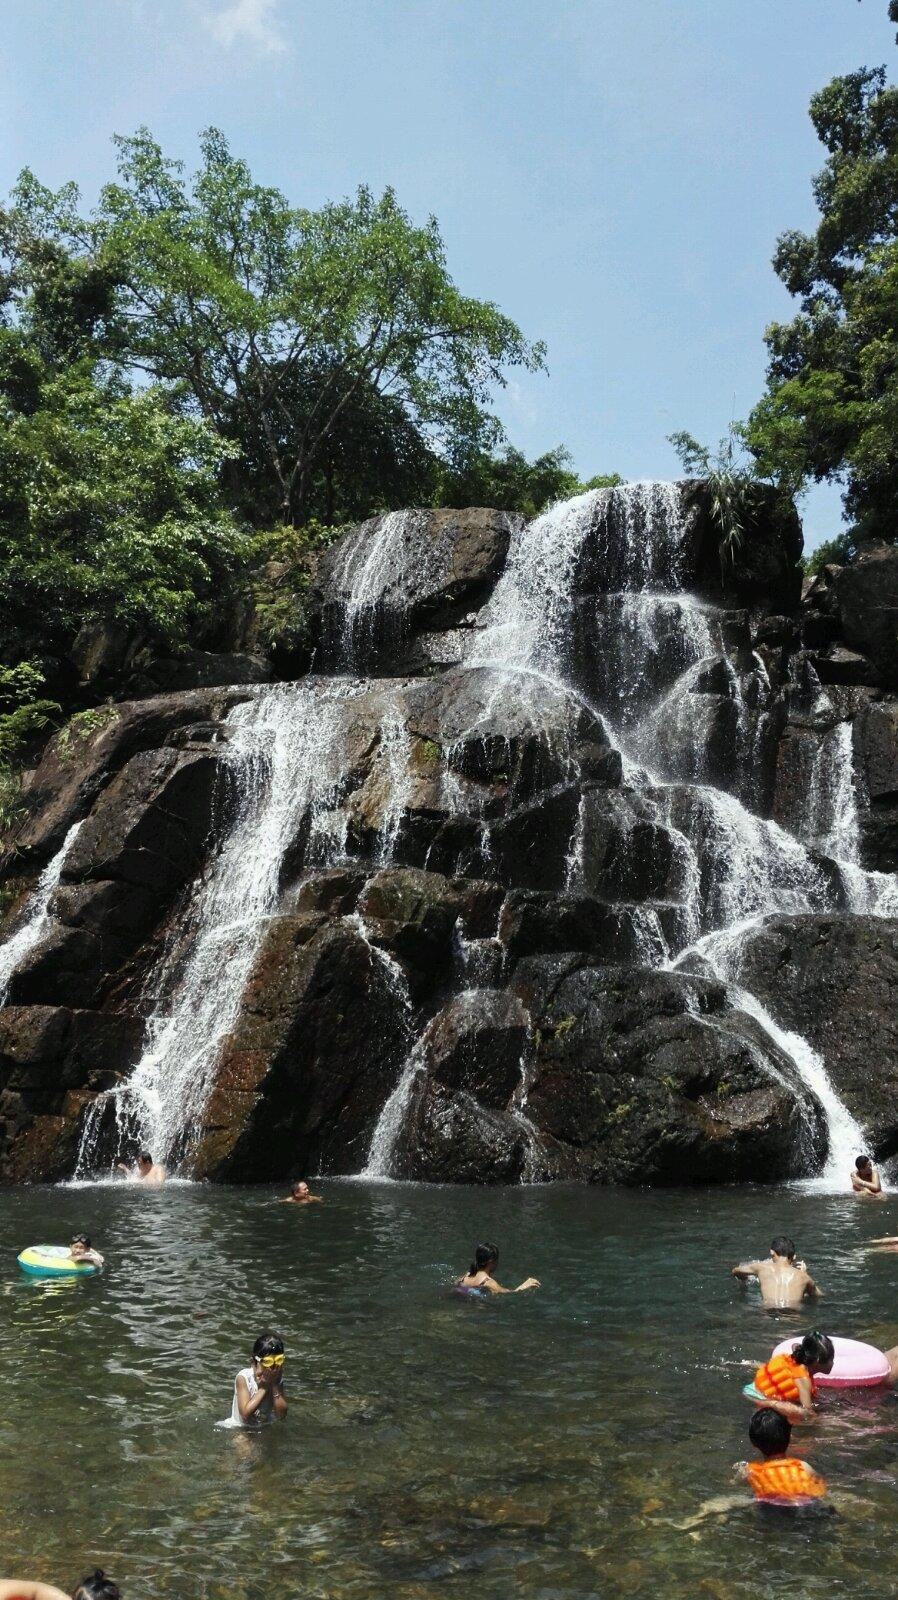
x: 226, y: 293
x: 506, y: 479
x: 831, y: 407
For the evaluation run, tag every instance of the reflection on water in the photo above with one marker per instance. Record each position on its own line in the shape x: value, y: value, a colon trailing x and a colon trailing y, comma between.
x: 548, y: 1444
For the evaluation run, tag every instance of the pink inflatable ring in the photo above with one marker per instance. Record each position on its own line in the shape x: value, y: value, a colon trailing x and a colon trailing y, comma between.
x: 857, y: 1365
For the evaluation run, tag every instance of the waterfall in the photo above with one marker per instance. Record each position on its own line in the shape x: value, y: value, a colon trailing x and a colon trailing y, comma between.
x: 362, y: 574
x: 284, y: 766
x: 35, y: 919
x: 391, y: 1121
x: 831, y: 819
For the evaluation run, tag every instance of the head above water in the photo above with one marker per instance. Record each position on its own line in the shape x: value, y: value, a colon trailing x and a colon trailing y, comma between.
x: 267, y: 1347
x: 97, y: 1587
x: 864, y: 1166
x: 816, y: 1352
x: 144, y: 1161
x: 486, y: 1257
x: 80, y: 1244
x: 769, y: 1432
x: 782, y: 1246
x: 300, y: 1189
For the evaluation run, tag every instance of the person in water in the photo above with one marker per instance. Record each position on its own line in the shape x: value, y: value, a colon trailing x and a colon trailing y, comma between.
x: 787, y: 1381
x: 259, y: 1389
x: 80, y: 1250
x: 779, y: 1478
x: 865, y: 1179
x: 95, y: 1587
x: 784, y: 1282
x: 300, y: 1196
x: 145, y: 1170
x: 479, y: 1275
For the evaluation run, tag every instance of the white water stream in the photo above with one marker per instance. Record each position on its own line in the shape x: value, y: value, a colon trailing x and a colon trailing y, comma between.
x: 35, y: 920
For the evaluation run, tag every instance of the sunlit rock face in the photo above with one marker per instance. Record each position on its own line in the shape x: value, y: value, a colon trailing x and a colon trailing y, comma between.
x: 572, y: 860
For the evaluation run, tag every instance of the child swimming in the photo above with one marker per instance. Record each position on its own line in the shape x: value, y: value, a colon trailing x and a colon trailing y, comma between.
x: 94, y: 1587
x: 479, y: 1276
x: 784, y: 1282
x: 865, y: 1179
x: 787, y: 1382
x: 259, y: 1389
x: 80, y: 1250
x: 780, y: 1479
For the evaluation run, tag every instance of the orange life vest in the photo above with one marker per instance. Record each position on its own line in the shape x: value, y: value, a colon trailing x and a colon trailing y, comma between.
x: 778, y: 1378
x: 785, y: 1478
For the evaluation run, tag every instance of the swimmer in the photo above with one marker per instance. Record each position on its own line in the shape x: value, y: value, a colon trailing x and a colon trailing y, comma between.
x: 80, y: 1250
x: 865, y: 1179
x: 259, y: 1389
x: 480, y: 1274
x: 145, y: 1170
x: 787, y: 1382
x: 784, y: 1282
x: 779, y: 1477
x: 299, y: 1196
x: 95, y: 1587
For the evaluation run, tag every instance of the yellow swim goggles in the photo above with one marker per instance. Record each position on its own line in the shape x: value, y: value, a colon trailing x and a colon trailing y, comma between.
x: 271, y: 1361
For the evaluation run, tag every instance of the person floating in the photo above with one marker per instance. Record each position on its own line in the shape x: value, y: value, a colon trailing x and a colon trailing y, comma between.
x: 145, y: 1170
x: 784, y: 1282
x: 80, y: 1250
x: 259, y: 1389
x: 479, y: 1277
x: 786, y: 1382
x: 300, y: 1196
x: 865, y: 1179
x: 94, y: 1587
x: 779, y: 1479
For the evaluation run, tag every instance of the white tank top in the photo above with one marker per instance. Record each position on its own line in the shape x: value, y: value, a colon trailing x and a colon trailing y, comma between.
x: 264, y: 1412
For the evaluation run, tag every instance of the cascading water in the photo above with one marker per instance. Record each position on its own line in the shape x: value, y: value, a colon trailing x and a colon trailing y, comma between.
x: 35, y: 919
x: 284, y: 759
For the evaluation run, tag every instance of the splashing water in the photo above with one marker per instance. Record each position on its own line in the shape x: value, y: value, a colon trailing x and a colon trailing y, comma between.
x: 36, y: 920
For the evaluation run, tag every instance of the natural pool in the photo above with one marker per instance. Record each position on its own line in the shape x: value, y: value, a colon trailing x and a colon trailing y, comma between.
x: 545, y: 1446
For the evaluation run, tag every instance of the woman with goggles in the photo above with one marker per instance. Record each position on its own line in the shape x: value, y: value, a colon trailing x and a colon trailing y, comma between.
x: 259, y: 1389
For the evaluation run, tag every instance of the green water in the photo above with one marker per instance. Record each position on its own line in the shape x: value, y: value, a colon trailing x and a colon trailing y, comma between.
x: 544, y: 1446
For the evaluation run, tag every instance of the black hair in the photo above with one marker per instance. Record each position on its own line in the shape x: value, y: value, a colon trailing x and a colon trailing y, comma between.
x: 815, y: 1350
x: 81, y: 1238
x: 781, y: 1246
x: 96, y: 1586
x: 145, y: 1156
x: 483, y: 1255
x: 268, y: 1344
x: 770, y: 1432
x: 863, y: 1161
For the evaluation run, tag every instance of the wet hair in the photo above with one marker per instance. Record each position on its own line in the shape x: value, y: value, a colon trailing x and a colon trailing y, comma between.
x: 863, y: 1161
x: 96, y: 1586
x: 781, y: 1246
x: 483, y: 1255
x: 770, y: 1432
x: 145, y: 1156
x: 81, y: 1238
x: 815, y: 1350
x: 268, y: 1344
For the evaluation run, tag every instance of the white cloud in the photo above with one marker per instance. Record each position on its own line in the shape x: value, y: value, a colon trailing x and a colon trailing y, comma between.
x: 248, y: 22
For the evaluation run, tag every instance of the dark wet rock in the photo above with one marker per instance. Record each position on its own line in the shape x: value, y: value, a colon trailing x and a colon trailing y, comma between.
x: 94, y: 929
x: 843, y: 666
x: 866, y: 596
x: 53, y: 1062
x: 316, y: 1050
x: 530, y: 848
x: 202, y: 669
x: 876, y: 739
x: 80, y: 761
x: 412, y: 914
x: 834, y: 980
x: 452, y: 1138
x: 476, y: 1044
x: 151, y: 825
x: 334, y: 889
x: 534, y: 921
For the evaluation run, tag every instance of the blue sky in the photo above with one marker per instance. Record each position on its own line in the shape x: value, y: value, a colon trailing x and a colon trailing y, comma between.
x: 613, y: 173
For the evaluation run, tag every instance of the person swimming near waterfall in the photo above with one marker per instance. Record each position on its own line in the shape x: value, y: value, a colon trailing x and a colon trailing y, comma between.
x: 479, y: 1279
x: 784, y: 1282
x: 96, y: 1586
x: 786, y: 1382
x: 259, y: 1389
x: 300, y: 1196
x: 865, y: 1179
x: 145, y: 1170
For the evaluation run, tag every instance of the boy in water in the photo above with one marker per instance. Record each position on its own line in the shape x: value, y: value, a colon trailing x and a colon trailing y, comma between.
x: 299, y: 1196
x: 865, y: 1179
x: 784, y: 1282
x: 780, y: 1479
x: 80, y: 1250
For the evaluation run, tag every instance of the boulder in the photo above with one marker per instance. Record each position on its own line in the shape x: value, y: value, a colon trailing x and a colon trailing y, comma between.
x: 833, y: 980
x: 202, y: 669
x: 94, y: 929
x: 412, y: 914
x: 150, y: 826
x: 317, y: 1048
x: 541, y: 921
x: 876, y: 750
x: 452, y: 1138
x: 866, y: 597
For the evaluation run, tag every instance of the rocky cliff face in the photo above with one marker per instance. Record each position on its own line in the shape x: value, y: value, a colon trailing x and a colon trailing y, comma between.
x: 539, y: 876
